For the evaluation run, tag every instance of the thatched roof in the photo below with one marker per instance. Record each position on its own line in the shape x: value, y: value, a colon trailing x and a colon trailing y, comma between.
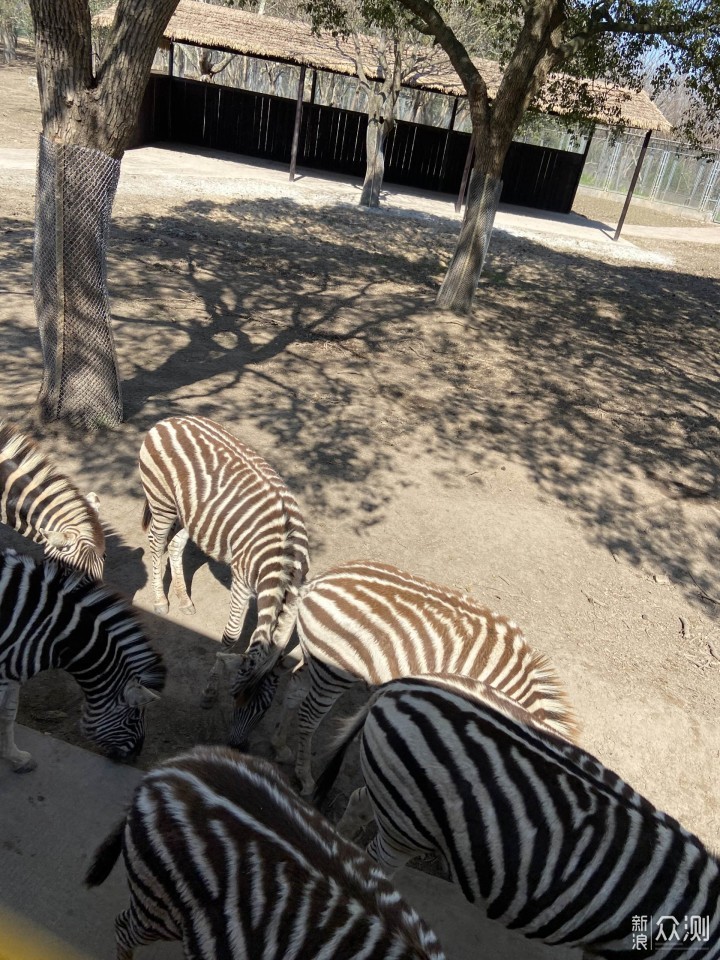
x: 285, y: 41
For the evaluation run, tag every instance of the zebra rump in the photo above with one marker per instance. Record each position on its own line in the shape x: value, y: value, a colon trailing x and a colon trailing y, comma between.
x: 41, y: 503
x: 221, y: 855
x: 368, y: 621
x: 52, y: 617
x: 554, y: 843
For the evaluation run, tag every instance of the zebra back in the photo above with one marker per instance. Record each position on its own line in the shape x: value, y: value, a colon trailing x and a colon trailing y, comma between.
x: 235, y: 507
x: 374, y: 622
x: 51, y: 617
x: 220, y: 853
x: 41, y: 503
x: 555, y: 844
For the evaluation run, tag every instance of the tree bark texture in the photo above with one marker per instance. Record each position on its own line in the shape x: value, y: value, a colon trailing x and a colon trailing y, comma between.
x: 463, y: 273
x: 8, y: 38
x: 75, y: 192
x: 87, y: 121
x: 376, y: 139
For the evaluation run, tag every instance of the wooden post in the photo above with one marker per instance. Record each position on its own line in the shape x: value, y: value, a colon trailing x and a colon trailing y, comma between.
x: 466, y: 174
x: 584, y: 158
x: 171, y: 60
x: 628, y: 198
x: 313, y: 86
x: 298, y: 118
x: 443, y: 163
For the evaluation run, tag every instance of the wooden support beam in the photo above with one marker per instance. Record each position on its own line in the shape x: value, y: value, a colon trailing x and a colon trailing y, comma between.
x: 171, y: 61
x: 298, y: 118
x: 443, y: 163
x: 313, y: 86
x: 465, y: 176
x: 628, y: 198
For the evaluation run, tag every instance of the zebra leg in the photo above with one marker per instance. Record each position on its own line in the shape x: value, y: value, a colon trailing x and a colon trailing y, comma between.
x: 22, y: 762
x: 158, y: 533
x: 358, y: 813
x: 385, y: 854
x: 296, y: 691
x: 316, y: 704
x: 130, y: 933
x: 239, y: 599
x: 175, y: 554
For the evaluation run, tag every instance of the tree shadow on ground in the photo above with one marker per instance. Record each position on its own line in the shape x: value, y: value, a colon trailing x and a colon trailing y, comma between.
x: 310, y: 332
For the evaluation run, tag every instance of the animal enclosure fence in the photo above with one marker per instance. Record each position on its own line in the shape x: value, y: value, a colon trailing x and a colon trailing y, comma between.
x: 417, y: 155
x: 671, y: 173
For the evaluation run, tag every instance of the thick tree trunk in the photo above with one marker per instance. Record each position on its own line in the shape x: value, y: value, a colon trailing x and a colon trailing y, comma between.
x: 463, y: 273
x: 375, y: 170
x: 88, y: 120
x: 8, y: 38
x: 75, y: 192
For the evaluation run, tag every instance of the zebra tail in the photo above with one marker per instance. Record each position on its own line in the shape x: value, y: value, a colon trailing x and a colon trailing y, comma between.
x: 349, y: 730
x: 246, y: 695
x: 146, y: 515
x: 105, y: 857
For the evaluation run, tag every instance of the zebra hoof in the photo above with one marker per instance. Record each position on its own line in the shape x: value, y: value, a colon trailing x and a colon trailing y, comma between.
x: 161, y: 608
x: 284, y: 755
x: 24, y: 763
x: 208, y: 699
x: 188, y: 609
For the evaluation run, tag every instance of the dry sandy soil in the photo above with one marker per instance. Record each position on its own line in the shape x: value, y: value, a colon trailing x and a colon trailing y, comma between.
x: 555, y: 454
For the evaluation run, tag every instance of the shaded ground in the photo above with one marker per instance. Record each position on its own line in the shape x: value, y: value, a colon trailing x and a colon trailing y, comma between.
x: 555, y: 454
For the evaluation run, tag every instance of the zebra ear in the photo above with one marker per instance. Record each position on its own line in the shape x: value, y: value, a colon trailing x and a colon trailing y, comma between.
x: 93, y: 501
x: 136, y: 695
x: 231, y: 661
x: 60, y: 538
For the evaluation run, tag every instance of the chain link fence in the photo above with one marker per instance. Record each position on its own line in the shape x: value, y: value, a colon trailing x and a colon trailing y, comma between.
x: 671, y: 173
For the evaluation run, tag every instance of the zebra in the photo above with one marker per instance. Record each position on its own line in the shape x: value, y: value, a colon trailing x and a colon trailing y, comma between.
x: 237, y: 509
x: 370, y: 621
x: 554, y: 843
x: 222, y: 855
x: 40, y: 503
x: 51, y: 616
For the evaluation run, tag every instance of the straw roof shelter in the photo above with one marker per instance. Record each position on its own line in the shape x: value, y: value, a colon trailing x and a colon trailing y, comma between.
x: 283, y: 41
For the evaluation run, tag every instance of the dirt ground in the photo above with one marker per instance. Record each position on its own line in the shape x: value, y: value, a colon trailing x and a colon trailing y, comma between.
x: 555, y: 454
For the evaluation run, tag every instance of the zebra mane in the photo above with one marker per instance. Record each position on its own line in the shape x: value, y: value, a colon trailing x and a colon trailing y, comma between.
x: 119, y: 620
x: 18, y: 451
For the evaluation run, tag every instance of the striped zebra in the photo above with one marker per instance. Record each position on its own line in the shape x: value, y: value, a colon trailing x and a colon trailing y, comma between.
x: 223, y: 856
x: 238, y: 511
x: 554, y: 843
x: 42, y: 504
x: 372, y: 622
x: 52, y: 617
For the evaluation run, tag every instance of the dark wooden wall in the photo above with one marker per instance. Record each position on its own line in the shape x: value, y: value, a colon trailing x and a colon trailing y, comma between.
x: 260, y: 125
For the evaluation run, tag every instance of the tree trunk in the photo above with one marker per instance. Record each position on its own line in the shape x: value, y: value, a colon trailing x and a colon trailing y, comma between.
x: 463, y: 273
x: 75, y: 192
x: 87, y: 121
x: 375, y: 143
x: 8, y: 38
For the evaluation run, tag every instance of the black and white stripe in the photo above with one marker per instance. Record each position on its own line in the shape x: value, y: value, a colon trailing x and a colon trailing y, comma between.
x: 236, y: 508
x: 53, y: 617
x: 372, y: 622
x: 551, y: 841
x: 222, y: 855
x: 42, y: 504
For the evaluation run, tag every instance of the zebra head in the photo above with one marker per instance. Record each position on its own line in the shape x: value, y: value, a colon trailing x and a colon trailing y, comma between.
x: 118, y: 727
x: 81, y: 543
x: 253, y: 688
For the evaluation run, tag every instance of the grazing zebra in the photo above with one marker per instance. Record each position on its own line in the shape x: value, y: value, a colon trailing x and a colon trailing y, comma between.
x: 40, y: 503
x: 222, y: 855
x: 54, y: 617
x: 553, y: 842
x: 372, y: 622
x: 238, y: 511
